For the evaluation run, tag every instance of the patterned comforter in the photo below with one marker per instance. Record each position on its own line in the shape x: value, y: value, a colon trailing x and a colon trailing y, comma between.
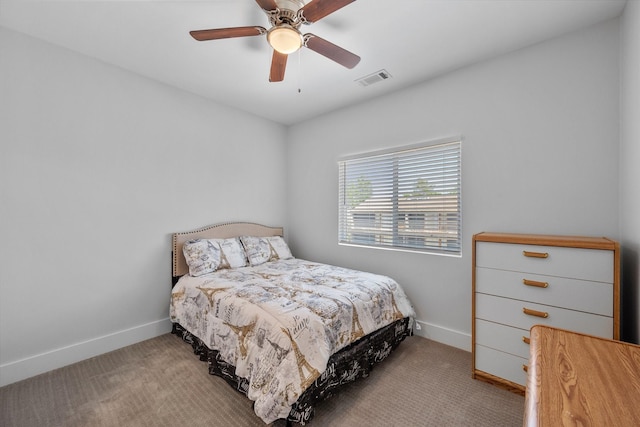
x: 278, y: 323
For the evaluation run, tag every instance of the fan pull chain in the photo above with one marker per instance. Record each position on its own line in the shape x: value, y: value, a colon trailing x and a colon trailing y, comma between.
x: 299, y: 70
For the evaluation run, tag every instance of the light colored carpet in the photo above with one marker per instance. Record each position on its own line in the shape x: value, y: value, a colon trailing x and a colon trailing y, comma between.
x: 160, y: 382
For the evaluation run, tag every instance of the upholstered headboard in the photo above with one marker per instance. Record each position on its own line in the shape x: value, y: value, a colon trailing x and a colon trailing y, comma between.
x: 217, y: 231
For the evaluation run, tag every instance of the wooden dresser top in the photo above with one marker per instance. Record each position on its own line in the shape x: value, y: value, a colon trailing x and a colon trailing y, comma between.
x: 548, y: 240
x: 581, y: 380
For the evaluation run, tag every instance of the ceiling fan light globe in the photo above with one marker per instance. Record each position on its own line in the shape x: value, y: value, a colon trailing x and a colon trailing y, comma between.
x: 285, y: 39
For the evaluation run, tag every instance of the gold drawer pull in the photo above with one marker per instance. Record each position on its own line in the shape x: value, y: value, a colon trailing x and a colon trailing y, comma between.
x: 535, y: 254
x: 526, y: 340
x: 525, y: 368
x: 535, y: 283
x: 535, y: 313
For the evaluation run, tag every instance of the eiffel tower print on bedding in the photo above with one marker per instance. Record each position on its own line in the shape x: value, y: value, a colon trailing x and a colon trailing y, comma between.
x: 279, y: 323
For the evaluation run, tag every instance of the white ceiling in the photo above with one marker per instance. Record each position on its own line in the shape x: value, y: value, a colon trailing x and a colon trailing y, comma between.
x: 414, y: 40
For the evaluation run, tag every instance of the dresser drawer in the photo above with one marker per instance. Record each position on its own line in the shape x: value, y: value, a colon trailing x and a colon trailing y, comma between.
x: 510, y: 312
x: 587, y: 264
x: 501, y: 364
x: 581, y: 295
x: 501, y: 337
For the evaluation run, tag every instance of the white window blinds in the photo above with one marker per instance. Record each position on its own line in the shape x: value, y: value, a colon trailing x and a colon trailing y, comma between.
x: 408, y: 198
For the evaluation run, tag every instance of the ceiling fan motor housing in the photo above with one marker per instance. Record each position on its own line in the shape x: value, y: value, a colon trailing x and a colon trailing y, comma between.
x: 287, y: 13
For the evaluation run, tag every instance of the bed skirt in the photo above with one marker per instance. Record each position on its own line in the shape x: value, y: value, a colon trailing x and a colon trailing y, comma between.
x: 344, y: 367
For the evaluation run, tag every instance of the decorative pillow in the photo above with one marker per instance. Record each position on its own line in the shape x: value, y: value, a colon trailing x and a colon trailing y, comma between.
x: 202, y: 256
x: 233, y: 254
x: 205, y: 256
x: 280, y: 246
x: 262, y: 249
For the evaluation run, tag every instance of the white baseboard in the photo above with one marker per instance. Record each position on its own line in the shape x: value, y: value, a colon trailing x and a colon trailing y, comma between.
x: 44, y: 362
x: 28, y: 367
x: 461, y: 340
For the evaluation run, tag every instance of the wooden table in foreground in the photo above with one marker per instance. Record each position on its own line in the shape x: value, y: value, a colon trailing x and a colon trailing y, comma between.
x: 581, y: 380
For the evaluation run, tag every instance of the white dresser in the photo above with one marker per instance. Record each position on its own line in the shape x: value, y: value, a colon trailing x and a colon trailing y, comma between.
x: 520, y: 280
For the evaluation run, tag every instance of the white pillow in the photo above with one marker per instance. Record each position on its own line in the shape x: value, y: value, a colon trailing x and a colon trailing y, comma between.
x: 262, y: 249
x: 202, y: 256
x: 205, y: 256
x: 233, y: 254
x: 280, y: 246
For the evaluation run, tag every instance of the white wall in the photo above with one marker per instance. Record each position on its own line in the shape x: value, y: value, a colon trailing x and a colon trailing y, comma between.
x: 97, y: 167
x: 629, y: 170
x: 540, y: 155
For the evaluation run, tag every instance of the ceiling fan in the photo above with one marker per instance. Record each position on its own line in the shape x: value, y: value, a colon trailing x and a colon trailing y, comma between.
x: 284, y: 36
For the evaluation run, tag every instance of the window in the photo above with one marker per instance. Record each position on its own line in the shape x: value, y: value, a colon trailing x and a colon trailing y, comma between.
x: 406, y: 198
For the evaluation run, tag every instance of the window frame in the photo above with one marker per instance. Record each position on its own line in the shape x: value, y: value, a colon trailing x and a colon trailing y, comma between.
x: 396, y: 219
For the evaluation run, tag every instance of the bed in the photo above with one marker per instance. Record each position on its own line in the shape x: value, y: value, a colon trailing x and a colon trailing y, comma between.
x: 285, y: 332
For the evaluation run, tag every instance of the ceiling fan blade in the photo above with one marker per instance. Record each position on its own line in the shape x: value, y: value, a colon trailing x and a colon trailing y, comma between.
x: 267, y: 4
x: 278, y: 65
x: 318, y: 9
x: 227, y: 33
x: 331, y: 51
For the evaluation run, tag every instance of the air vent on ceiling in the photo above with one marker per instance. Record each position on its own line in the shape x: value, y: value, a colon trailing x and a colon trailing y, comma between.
x: 376, y: 77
